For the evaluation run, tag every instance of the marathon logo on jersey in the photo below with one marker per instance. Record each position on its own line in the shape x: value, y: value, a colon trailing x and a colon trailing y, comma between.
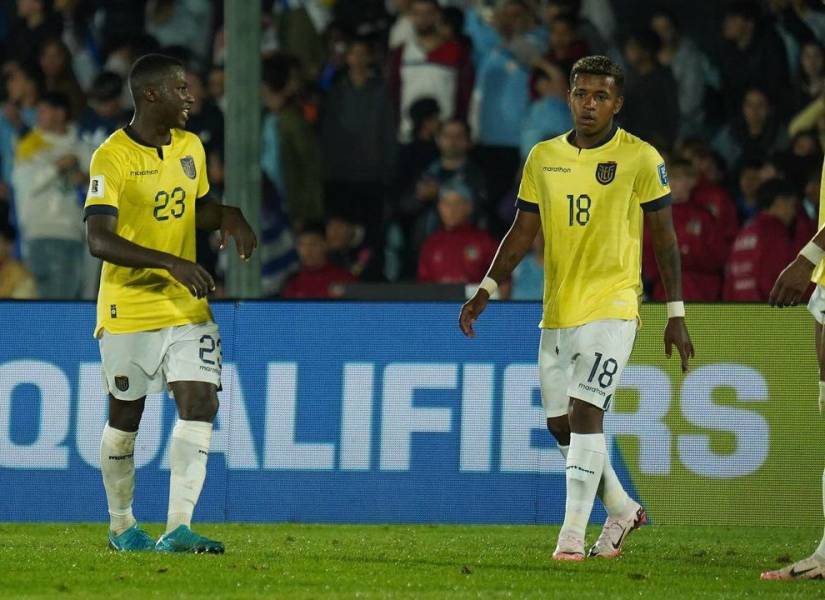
x: 96, y: 187
x: 606, y: 172
x: 188, y: 164
x: 113, y: 311
x: 663, y: 179
x: 122, y: 382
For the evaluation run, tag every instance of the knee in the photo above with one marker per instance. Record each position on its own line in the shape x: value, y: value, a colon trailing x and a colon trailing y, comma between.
x: 204, y: 410
x: 559, y: 428
x: 125, y: 416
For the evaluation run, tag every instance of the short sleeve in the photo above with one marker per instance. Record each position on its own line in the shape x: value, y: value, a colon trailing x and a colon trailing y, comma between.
x: 105, y: 185
x: 203, y: 178
x: 651, y: 185
x: 528, y: 197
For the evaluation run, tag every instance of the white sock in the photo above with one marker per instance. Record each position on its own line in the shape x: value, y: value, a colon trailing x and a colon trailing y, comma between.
x: 117, y: 465
x: 585, y: 464
x: 187, y: 463
x: 820, y: 551
x: 610, y: 490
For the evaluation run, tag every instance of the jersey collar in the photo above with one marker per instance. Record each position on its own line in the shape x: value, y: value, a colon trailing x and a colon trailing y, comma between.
x: 609, y: 136
x: 132, y: 135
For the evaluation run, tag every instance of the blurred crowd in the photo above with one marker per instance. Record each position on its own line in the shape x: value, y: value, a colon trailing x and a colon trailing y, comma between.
x: 394, y: 131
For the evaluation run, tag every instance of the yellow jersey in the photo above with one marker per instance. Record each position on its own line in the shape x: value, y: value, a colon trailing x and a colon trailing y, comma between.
x: 591, y: 205
x: 818, y: 276
x: 153, y: 192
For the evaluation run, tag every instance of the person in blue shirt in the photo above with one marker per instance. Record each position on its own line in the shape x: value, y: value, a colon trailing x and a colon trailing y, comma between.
x: 549, y: 115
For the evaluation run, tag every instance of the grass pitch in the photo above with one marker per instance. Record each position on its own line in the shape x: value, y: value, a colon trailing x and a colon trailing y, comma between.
x: 333, y: 561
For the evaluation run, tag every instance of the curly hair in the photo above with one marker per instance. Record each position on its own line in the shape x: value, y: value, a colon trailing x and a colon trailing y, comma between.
x: 598, y: 65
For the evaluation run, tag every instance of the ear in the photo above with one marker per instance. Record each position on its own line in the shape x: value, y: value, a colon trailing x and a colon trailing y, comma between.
x: 150, y: 93
x: 619, y: 105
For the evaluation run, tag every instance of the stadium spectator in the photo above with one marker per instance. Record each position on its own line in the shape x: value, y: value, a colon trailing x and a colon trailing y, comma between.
x: 810, y: 196
x: 702, y: 248
x: 56, y: 65
x: 48, y: 172
x: 181, y: 23
x: 205, y: 118
x: 646, y: 79
x: 105, y: 111
x: 764, y: 246
x: 585, y: 29
x: 453, y: 167
x: 290, y: 153
x: 317, y: 278
x: 299, y: 34
x: 33, y: 26
x: 528, y: 276
x: 430, y: 66
x: 501, y: 95
x: 15, y: 280
x: 710, y: 193
x: 566, y: 47
x: 23, y: 89
x: 358, y: 141
x: 686, y: 61
x: 215, y: 86
x: 402, y: 30
x: 549, y: 115
x: 751, y: 55
x: 77, y: 23
x: 418, y: 154
x: 349, y: 248
x: 754, y: 134
x: 747, y: 198
x: 807, y: 84
x: 601, y: 14
x: 459, y: 252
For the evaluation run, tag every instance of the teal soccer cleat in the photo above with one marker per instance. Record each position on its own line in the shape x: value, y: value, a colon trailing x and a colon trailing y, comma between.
x: 184, y: 539
x: 133, y: 539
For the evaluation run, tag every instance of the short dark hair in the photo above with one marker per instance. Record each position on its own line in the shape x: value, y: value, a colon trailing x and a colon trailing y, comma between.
x: 572, y: 7
x: 149, y: 69
x: 313, y: 228
x: 571, y: 20
x: 434, y: 3
x: 106, y: 86
x: 598, y: 65
x: 747, y: 9
x: 57, y: 100
x: 647, y: 39
x: 278, y: 69
x: 667, y: 13
x: 458, y: 121
x: 773, y: 189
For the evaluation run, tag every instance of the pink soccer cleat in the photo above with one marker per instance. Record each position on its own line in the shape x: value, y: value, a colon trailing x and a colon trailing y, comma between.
x: 615, y: 532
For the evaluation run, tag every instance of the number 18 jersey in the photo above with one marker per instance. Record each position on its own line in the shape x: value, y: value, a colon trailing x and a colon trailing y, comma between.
x: 591, y: 204
x: 152, y: 191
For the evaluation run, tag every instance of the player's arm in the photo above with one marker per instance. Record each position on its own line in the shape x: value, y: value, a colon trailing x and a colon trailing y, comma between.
x: 105, y: 244
x: 211, y: 215
x: 795, y: 279
x: 515, y: 245
x: 668, y: 260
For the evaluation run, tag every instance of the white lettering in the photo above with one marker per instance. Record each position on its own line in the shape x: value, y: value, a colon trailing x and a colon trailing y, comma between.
x: 476, y: 418
x: 356, y: 416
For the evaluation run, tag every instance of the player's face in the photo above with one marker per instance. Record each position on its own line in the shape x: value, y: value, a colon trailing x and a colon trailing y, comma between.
x: 594, y: 101
x: 175, y: 99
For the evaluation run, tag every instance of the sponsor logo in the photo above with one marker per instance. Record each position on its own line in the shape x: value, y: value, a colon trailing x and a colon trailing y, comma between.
x: 188, y: 164
x: 124, y: 457
x: 142, y: 173
x: 583, y: 470
x: 663, y: 179
x: 122, y: 382
x: 96, y: 186
x: 113, y: 311
x: 590, y: 388
x: 557, y: 170
x: 606, y: 172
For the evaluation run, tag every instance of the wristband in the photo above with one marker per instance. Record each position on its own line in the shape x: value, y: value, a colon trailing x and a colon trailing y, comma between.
x: 675, y: 309
x: 813, y: 253
x: 489, y: 285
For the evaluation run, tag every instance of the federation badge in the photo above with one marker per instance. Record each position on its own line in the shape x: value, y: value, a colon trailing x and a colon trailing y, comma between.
x: 188, y: 164
x: 122, y: 382
x: 606, y: 172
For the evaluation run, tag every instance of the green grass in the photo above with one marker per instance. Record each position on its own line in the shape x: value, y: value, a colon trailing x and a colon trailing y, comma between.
x: 332, y: 561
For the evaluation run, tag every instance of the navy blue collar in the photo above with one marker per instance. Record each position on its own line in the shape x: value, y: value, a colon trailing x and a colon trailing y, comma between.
x: 571, y: 138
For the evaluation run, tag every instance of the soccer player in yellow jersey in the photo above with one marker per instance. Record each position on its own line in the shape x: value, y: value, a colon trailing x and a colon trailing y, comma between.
x: 148, y: 192
x: 588, y: 191
x: 789, y: 290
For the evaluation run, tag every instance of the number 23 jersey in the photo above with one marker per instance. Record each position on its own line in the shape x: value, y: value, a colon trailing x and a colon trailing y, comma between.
x: 153, y: 192
x: 591, y: 204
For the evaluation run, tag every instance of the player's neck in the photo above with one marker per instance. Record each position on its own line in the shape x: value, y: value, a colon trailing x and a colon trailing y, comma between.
x: 149, y: 133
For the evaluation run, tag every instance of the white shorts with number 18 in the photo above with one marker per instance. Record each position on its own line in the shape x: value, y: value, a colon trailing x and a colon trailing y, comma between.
x: 137, y: 364
x: 584, y: 362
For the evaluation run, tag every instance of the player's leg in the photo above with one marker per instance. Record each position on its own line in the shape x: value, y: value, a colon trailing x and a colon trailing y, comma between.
x: 128, y: 379
x: 192, y: 367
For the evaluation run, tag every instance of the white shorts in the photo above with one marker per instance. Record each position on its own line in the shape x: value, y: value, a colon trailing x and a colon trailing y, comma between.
x: 137, y: 364
x: 816, y: 305
x: 583, y: 362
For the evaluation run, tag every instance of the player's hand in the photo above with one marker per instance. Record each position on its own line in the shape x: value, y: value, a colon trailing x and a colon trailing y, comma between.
x: 193, y: 277
x: 791, y: 284
x: 676, y: 334
x: 471, y: 310
x: 235, y: 225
